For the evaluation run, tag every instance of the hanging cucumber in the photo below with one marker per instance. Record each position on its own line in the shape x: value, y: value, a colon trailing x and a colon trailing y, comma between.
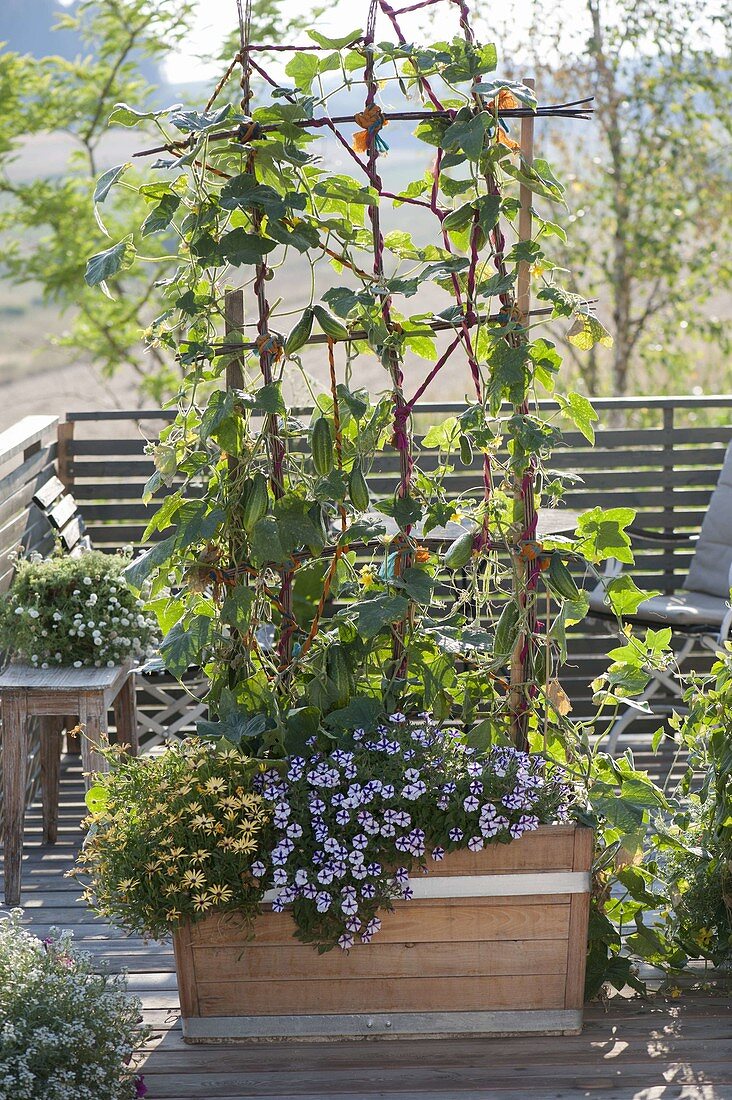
x: 560, y: 580
x: 255, y: 500
x: 507, y: 631
x: 458, y: 553
x: 330, y: 325
x: 300, y: 333
x: 466, y: 450
x: 358, y: 490
x: 339, y: 675
x: 322, y: 445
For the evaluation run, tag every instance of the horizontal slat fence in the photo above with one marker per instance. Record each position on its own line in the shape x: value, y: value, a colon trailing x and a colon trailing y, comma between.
x: 661, y: 456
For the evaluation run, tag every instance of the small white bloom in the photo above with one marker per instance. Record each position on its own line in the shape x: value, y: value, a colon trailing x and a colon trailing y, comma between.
x: 34, y: 614
x: 19, y: 610
x: 77, y: 664
x: 87, y: 580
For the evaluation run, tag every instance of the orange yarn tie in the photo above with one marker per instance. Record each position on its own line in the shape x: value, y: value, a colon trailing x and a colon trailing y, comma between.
x: 268, y: 343
x: 372, y: 120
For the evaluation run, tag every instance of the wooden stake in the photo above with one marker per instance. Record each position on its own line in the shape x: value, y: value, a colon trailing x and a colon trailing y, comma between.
x: 521, y: 656
x: 234, y: 322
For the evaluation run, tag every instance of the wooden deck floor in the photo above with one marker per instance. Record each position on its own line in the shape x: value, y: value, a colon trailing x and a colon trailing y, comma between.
x: 660, y: 1050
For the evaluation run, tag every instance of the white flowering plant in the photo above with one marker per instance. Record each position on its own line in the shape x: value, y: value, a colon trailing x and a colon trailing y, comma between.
x: 74, y: 611
x: 66, y: 1030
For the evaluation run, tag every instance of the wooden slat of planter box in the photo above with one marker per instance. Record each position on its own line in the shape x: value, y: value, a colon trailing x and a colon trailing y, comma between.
x: 461, y: 921
x: 267, y: 963
x: 584, y: 841
x: 535, y: 851
x: 392, y: 994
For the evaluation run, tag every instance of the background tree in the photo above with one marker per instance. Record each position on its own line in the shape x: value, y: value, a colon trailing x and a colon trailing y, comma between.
x: 47, y: 223
x: 649, y: 182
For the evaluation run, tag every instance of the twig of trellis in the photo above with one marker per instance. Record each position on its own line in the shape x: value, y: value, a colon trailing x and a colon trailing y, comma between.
x: 524, y: 492
x: 433, y: 373
x: 431, y: 327
x: 336, y: 422
x: 416, y: 7
x: 327, y: 585
x: 547, y: 111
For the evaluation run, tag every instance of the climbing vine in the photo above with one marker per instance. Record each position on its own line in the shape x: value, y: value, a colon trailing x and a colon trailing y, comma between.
x: 317, y: 564
x: 308, y: 597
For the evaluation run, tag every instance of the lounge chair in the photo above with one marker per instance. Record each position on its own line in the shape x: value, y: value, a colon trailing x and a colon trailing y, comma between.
x: 699, y: 612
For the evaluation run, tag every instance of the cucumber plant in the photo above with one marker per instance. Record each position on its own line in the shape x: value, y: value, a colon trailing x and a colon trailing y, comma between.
x: 278, y: 562
x: 306, y: 561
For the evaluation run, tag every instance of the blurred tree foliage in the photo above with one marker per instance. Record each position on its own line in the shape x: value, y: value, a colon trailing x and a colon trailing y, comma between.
x: 649, y: 180
x: 47, y: 224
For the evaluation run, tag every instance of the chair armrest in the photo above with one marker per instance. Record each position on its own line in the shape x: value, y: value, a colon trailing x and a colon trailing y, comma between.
x: 642, y: 534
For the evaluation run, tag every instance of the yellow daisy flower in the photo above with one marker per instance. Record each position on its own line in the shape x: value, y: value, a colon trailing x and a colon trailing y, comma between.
x: 220, y: 894
x: 214, y: 784
x: 193, y: 879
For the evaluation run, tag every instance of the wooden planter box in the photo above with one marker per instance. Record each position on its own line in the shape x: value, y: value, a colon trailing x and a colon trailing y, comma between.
x: 493, y: 942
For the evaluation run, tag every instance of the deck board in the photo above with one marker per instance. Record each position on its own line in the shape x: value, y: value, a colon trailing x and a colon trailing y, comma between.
x: 661, y: 1049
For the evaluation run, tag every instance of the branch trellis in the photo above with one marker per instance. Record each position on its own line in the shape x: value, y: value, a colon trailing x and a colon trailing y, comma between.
x: 244, y: 189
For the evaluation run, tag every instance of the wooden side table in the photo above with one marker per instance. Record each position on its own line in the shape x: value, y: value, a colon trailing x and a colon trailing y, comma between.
x: 51, y: 694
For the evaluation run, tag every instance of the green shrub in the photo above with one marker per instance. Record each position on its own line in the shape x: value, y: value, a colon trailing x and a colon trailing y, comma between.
x: 698, y: 866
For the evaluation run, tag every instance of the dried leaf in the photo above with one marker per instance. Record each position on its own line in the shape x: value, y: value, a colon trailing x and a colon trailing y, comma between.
x: 558, y: 698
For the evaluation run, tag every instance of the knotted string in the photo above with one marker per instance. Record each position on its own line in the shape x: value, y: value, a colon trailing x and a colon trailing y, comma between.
x: 270, y: 344
x: 372, y: 120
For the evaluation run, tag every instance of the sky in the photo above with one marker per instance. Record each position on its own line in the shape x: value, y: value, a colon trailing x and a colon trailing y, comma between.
x: 215, y: 18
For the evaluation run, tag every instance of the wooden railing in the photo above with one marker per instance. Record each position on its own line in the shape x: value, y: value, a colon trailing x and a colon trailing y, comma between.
x: 28, y: 452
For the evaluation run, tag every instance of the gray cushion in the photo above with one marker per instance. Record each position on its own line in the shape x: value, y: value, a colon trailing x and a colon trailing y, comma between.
x: 682, y: 609
x: 710, y: 566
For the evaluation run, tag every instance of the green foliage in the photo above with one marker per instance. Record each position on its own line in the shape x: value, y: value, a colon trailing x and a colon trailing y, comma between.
x: 649, y: 188
x: 74, y: 611
x: 53, y: 210
x: 68, y: 1030
x: 313, y: 604
x: 697, y: 862
x: 48, y: 226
